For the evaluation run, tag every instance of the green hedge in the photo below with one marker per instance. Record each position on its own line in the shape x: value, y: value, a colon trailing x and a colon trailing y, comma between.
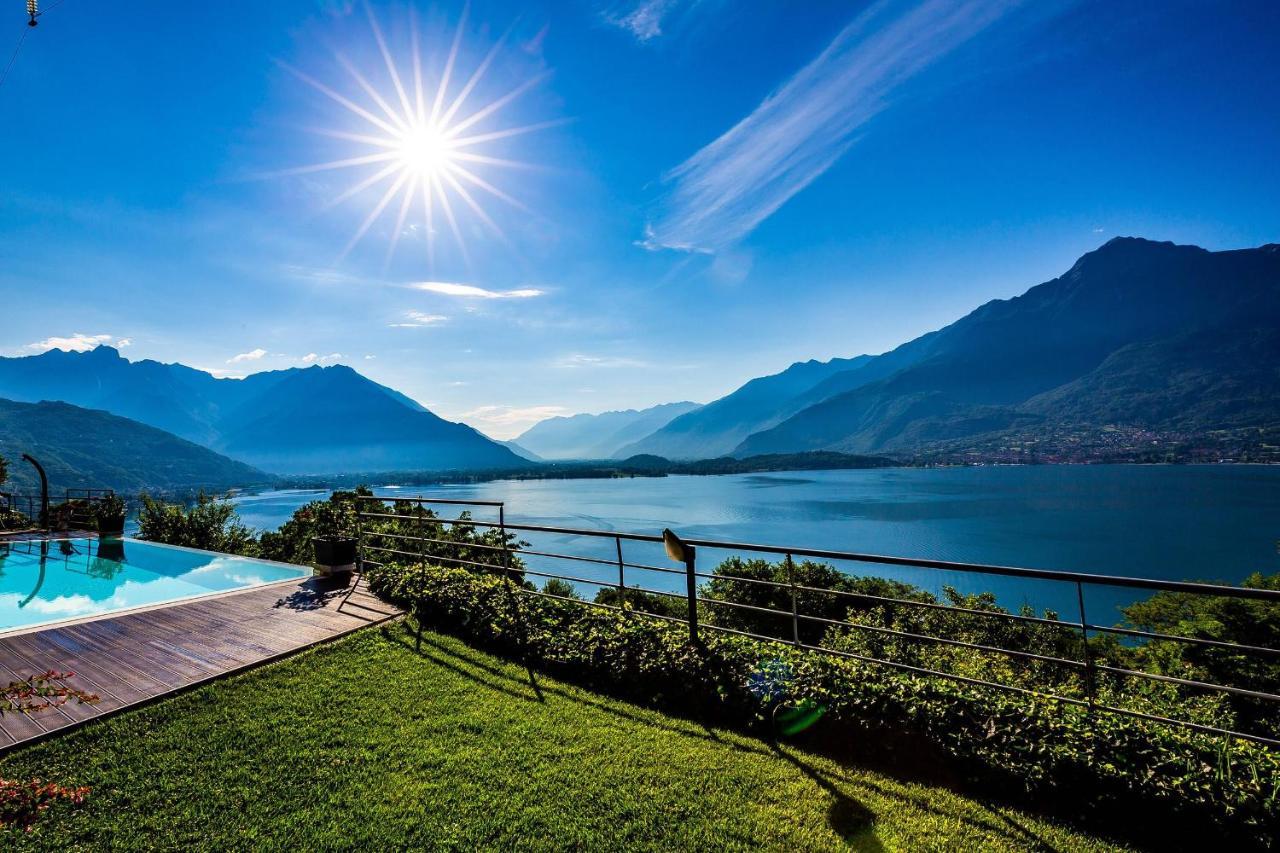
x: 1079, y: 760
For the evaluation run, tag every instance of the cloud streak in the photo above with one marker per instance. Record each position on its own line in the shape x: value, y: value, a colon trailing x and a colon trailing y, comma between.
x: 721, y: 193
x: 251, y: 355
x: 579, y: 360
x: 470, y: 291
x: 418, y: 320
x: 504, y: 422
x: 75, y: 342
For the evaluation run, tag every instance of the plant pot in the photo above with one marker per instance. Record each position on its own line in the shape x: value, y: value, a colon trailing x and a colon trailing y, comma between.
x: 334, y: 554
x: 111, y: 525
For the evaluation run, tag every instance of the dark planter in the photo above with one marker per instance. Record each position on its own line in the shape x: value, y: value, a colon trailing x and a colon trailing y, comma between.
x: 111, y: 525
x: 334, y: 553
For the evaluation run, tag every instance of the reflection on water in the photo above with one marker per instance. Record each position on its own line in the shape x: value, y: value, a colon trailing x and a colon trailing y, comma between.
x: 44, y: 581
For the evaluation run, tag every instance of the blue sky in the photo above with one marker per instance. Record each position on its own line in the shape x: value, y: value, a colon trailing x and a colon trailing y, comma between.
x: 706, y: 190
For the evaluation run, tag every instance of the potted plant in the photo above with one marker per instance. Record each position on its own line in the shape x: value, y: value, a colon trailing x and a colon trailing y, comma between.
x: 334, y: 542
x: 109, y: 512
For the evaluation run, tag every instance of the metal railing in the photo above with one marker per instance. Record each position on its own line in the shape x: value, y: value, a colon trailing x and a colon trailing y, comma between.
x: 30, y: 512
x: 380, y: 547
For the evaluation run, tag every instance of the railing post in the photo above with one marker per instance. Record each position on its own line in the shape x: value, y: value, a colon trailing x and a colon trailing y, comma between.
x: 1084, y: 636
x: 622, y: 578
x: 691, y: 579
x: 506, y: 551
x: 795, y: 608
x: 422, y: 571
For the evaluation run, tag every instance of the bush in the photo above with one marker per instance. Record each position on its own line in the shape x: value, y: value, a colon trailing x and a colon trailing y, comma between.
x: 1062, y: 753
x: 209, y: 524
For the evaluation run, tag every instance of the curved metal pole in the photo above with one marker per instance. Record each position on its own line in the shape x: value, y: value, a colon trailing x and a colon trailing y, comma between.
x: 44, y: 490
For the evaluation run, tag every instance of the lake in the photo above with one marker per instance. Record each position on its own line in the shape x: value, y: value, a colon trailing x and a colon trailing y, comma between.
x: 1211, y: 522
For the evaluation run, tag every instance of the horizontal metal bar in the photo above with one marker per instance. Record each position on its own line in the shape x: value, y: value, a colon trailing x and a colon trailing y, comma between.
x: 1177, y: 638
x: 423, y: 558
x: 1009, y: 571
x: 541, y: 594
x: 573, y: 557
x: 647, y: 568
x: 451, y: 542
x: 628, y: 610
x: 421, y: 500
x: 570, y: 578
x: 531, y: 528
x: 997, y: 614
x: 1187, y: 682
x: 1200, y: 727
x: 948, y: 642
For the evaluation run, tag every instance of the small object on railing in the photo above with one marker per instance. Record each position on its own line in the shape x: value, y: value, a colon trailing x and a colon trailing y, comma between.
x: 681, y: 552
x: 676, y: 549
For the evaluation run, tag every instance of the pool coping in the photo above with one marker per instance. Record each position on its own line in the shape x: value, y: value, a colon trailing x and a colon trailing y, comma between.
x: 20, y: 630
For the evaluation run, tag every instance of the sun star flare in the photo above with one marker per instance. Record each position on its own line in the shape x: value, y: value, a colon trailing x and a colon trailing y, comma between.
x: 423, y: 148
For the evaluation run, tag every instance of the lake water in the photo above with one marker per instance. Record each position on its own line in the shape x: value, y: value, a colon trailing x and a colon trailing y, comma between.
x: 1173, y: 522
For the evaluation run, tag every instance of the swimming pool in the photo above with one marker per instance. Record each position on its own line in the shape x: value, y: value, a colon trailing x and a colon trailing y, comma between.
x: 55, y: 580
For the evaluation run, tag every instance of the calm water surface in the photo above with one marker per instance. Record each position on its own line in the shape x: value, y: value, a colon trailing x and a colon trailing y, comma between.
x: 1173, y: 522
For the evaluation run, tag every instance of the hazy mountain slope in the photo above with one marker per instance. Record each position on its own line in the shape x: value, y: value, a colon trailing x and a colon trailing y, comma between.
x: 1168, y: 302
x: 1195, y: 382
x: 331, y: 419
x: 519, y: 450
x: 716, y: 428
x: 84, y: 448
x: 598, y: 436
x: 312, y: 420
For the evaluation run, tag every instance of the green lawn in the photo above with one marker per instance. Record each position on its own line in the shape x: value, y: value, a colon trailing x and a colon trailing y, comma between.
x: 367, y: 744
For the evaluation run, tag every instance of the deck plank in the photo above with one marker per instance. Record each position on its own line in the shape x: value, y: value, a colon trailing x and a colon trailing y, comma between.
x: 135, y: 657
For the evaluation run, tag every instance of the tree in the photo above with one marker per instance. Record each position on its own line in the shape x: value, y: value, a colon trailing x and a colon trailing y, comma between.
x: 1246, y: 621
x: 4, y: 470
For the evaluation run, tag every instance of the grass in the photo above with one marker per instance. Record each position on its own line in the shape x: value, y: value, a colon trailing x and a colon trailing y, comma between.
x: 367, y: 744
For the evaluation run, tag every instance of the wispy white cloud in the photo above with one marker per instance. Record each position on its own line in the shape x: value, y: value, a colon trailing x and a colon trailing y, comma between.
x: 449, y: 288
x: 721, y: 193
x: 642, y: 19
x: 580, y: 360
x: 75, y: 342
x: 251, y: 355
x: 509, y: 421
x: 221, y: 372
x: 417, y: 320
x: 124, y: 342
x: 313, y: 358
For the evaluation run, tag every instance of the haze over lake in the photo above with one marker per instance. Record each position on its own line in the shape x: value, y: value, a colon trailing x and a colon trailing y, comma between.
x: 1173, y: 522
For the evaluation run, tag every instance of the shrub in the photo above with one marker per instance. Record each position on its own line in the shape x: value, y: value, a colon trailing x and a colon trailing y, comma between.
x: 209, y: 523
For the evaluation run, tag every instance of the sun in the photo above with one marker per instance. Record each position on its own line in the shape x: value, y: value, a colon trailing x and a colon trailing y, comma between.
x: 425, y: 152
x: 420, y: 143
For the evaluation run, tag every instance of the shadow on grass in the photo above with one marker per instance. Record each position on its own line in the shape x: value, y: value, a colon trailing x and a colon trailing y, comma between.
x: 846, y: 815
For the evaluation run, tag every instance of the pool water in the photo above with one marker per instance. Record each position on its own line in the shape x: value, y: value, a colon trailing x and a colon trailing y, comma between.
x: 52, y: 581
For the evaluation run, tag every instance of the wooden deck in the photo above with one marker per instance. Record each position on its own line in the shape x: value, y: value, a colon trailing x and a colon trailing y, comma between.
x: 138, y: 657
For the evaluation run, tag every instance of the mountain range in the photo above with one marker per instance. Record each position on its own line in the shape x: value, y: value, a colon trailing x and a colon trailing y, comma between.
x: 303, y: 420
x: 601, y: 436
x: 1137, y: 336
x: 1139, y: 345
